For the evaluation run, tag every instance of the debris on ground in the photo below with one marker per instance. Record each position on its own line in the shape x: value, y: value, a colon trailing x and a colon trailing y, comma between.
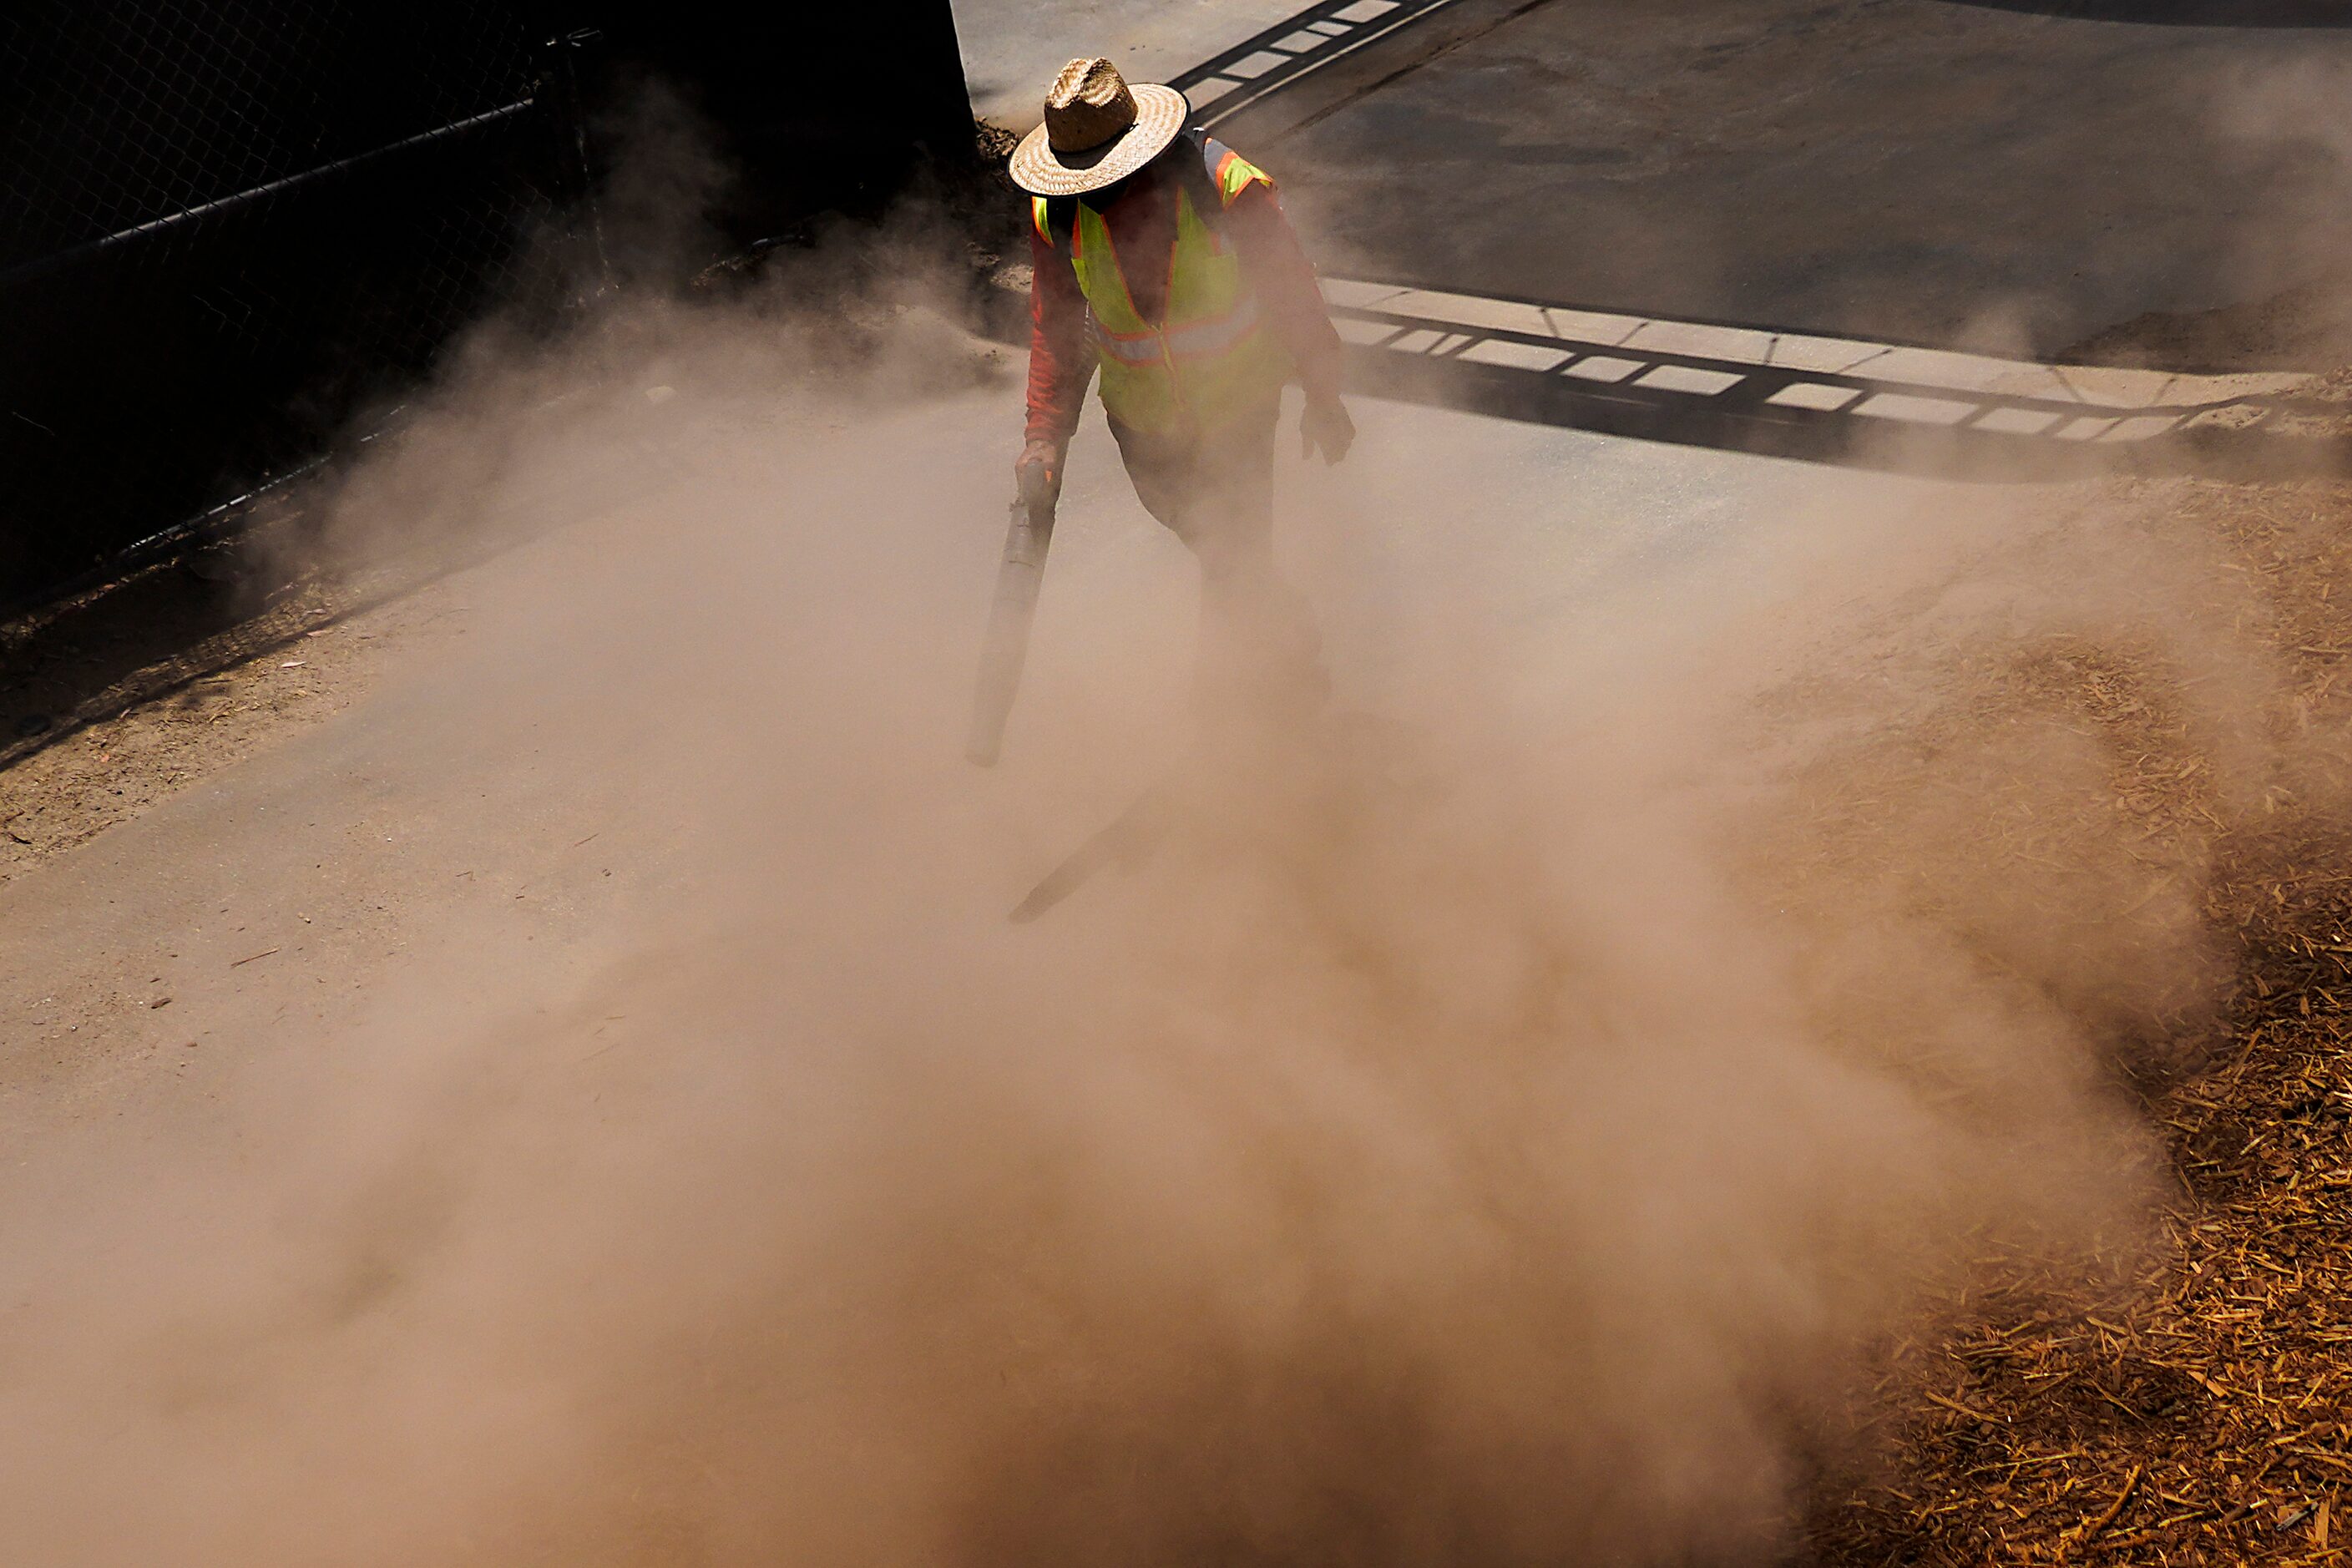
x: 2194, y: 1406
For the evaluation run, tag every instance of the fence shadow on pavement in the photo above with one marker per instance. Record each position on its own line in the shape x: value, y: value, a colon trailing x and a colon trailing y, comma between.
x: 1327, y: 56
x: 1260, y: 66
x: 1832, y: 400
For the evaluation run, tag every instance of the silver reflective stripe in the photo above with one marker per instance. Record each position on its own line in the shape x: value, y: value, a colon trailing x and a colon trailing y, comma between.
x: 1189, y: 342
x: 1129, y: 350
x: 1215, y: 337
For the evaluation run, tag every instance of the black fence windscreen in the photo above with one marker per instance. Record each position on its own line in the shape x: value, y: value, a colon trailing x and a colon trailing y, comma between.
x: 225, y: 224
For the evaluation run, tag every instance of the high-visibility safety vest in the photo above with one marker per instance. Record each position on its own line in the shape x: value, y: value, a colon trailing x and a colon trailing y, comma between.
x: 1213, y: 358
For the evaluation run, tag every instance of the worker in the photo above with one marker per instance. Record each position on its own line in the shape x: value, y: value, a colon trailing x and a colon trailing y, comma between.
x: 1161, y: 257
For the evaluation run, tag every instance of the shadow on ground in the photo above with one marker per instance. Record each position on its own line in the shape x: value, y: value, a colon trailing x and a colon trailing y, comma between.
x: 147, y: 635
x: 160, y: 632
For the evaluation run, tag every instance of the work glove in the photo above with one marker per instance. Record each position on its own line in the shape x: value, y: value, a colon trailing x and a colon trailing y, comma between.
x: 1325, y: 424
x: 1038, y: 473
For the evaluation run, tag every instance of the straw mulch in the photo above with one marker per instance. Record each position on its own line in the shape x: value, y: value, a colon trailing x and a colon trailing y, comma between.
x: 2192, y: 1406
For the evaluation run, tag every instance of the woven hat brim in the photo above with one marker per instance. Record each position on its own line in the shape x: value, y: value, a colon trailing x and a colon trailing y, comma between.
x: 1160, y: 116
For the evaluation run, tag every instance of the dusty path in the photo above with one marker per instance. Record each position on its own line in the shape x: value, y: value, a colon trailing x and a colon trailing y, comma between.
x: 492, y: 1092
x: 214, y: 777
x: 548, y: 997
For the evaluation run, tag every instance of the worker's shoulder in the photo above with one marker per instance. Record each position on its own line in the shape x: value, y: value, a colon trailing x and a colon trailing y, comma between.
x: 1233, y: 173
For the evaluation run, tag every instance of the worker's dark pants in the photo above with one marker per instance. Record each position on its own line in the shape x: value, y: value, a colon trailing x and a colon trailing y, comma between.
x: 1261, y: 656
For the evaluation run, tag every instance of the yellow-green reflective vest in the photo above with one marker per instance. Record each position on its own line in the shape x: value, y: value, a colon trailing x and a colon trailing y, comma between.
x: 1213, y: 358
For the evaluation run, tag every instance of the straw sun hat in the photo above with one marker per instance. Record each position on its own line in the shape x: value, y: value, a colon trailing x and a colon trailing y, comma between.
x: 1097, y: 131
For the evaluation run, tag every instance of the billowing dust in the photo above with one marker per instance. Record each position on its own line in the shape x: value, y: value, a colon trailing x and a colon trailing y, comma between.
x: 1497, y: 1126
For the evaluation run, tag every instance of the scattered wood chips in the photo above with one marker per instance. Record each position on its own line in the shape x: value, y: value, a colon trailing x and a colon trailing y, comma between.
x: 2195, y: 1408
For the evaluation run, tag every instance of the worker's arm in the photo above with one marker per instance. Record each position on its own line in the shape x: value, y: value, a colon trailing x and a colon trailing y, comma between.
x: 1284, y: 282
x: 1061, y: 363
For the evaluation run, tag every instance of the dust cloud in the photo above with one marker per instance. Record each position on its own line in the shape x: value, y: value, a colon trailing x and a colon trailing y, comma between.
x: 2293, y: 125
x: 1499, y: 1124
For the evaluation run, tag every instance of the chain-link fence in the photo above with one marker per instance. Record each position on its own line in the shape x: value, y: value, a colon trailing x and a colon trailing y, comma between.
x: 226, y: 225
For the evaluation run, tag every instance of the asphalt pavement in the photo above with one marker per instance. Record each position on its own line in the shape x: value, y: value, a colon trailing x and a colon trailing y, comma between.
x: 2018, y: 178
